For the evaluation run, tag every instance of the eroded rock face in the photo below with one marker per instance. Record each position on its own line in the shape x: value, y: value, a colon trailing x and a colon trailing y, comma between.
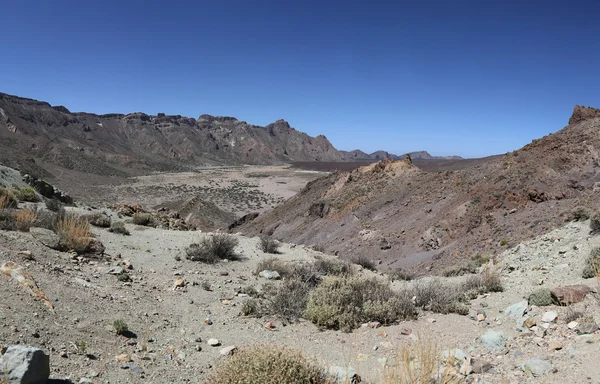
x: 581, y: 113
x: 25, y: 365
x: 569, y: 294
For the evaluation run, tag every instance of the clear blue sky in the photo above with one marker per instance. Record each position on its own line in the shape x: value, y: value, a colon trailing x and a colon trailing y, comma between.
x: 471, y: 78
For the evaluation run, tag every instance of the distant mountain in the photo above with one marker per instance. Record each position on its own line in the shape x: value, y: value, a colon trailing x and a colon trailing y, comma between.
x: 357, y: 155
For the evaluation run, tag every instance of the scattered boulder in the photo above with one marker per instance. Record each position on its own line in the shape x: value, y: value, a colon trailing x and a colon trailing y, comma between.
x: 570, y: 294
x: 549, y: 317
x: 494, y: 340
x: 536, y: 367
x: 46, y: 237
x: 516, y: 310
x: 586, y: 328
x: 25, y: 365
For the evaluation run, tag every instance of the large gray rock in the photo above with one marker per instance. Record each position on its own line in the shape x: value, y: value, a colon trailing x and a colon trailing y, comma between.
x: 46, y: 237
x: 516, y: 310
x: 494, y: 340
x: 25, y: 365
x: 269, y: 275
x: 536, y: 367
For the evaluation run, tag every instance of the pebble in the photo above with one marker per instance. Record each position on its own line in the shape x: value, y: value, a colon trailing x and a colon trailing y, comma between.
x: 213, y: 342
x: 228, y: 350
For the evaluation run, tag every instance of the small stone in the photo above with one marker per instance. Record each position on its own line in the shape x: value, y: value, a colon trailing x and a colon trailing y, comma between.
x: 494, y: 340
x: 85, y: 380
x: 529, y: 322
x: 213, y: 342
x: 555, y: 345
x: 374, y: 324
x: 516, y: 310
x: 549, y: 317
x: 208, y: 321
x: 63, y: 354
x: 123, y: 358
x: 431, y: 320
x: 226, y: 302
x: 480, y: 317
x: 572, y: 325
x: 480, y: 366
x: 270, y: 325
x: 179, y: 283
x: 228, y: 350
x: 405, y: 331
x: 269, y: 275
x: 223, y: 273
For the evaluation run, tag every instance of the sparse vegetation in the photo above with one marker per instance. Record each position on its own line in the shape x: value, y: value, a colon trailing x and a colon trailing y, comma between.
x: 592, y: 264
x: 54, y: 205
x: 119, y: 227
x: 7, y: 198
x: 124, y: 276
x: 346, y: 302
x: 266, y: 364
x: 7, y: 220
x: 595, y: 223
x: 80, y: 346
x: 99, y: 220
x: 365, y: 262
x: 541, y: 297
x: 461, y: 269
x: 120, y: 327
x: 333, y: 267
x: 580, y: 214
x: 145, y: 219
x: 74, y: 233
x: 206, y: 286
x: 250, y: 308
x: 572, y: 314
x: 213, y: 249
x: 401, y: 274
x: 269, y: 245
x: 26, y: 194
x: 24, y: 219
x: 288, y: 299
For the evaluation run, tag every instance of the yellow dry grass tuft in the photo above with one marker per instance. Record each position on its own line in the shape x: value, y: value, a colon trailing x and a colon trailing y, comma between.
x: 24, y: 219
x: 5, y: 202
x: 74, y: 233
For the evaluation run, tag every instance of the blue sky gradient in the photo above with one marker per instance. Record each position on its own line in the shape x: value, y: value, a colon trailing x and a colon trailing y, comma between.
x: 472, y: 78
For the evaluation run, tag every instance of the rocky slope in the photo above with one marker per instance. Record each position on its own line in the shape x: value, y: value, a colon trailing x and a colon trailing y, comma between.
x: 358, y: 155
x: 405, y: 217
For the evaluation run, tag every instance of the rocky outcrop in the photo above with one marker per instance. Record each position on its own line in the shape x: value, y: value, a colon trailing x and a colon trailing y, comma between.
x: 25, y: 365
x: 570, y: 294
x: 582, y: 112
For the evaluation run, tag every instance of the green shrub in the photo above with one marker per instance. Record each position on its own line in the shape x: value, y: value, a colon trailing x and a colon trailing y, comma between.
x: 267, y: 364
x: 145, y: 219
x: 365, y: 262
x: 541, y: 297
x: 333, y: 267
x: 27, y: 194
x: 119, y: 227
x: 124, y: 276
x: 269, y: 245
x: 461, y: 269
x: 213, y: 249
x: 346, y: 302
x: 120, y: 327
x: 99, y: 220
x: 592, y: 264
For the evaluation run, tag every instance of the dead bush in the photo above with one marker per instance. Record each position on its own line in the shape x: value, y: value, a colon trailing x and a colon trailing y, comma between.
x: 595, y: 223
x: 401, y: 274
x: 461, y: 269
x: 438, y: 296
x: 54, y: 205
x: 592, y: 264
x: 267, y: 364
x: 7, y: 199
x: 365, y: 262
x: 213, y: 249
x: 333, y: 267
x: 579, y: 213
x: 269, y: 245
x: 24, y: 219
x: 74, y: 233
x: 286, y: 300
x: 273, y: 264
x: 346, y: 302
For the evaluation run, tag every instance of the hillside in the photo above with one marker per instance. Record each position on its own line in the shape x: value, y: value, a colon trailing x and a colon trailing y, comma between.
x: 405, y: 217
x: 35, y: 134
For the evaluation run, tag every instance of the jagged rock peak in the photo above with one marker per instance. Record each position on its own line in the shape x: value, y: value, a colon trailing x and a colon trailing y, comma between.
x: 582, y: 112
x: 216, y: 118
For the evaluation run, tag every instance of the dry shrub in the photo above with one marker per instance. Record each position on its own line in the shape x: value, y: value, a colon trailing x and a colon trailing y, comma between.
x: 592, y: 264
x: 54, y: 205
x: 119, y: 227
x: 286, y: 300
x: 346, y: 302
x: 7, y: 199
x: 595, y: 223
x: 273, y: 264
x: 269, y: 245
x: 145, y: 219
x: 572, y: 314
x: 267, y: 364
x: 365, y: 262
x: 438, y: 296
x: 24, y: 219
x: 579, y: 213
x: 99, y: 220
x: 74, y: 233
x: 418, y: 362
x: 7, y: 220
x: 213, y: 249
x: 333, y: 267
x: 401, y: 274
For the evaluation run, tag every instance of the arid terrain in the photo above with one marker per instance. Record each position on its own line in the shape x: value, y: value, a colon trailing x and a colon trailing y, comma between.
x: 410, y: 269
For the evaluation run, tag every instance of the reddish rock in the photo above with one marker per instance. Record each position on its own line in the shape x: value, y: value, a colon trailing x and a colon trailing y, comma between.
x: 569, y: 294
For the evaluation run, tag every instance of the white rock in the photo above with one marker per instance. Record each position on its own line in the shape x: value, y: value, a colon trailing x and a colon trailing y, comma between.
x: 27, y: 365
x: 227, y: 350
x: 549, y: 317
x: 213, y: 342
x: 572, y: 325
